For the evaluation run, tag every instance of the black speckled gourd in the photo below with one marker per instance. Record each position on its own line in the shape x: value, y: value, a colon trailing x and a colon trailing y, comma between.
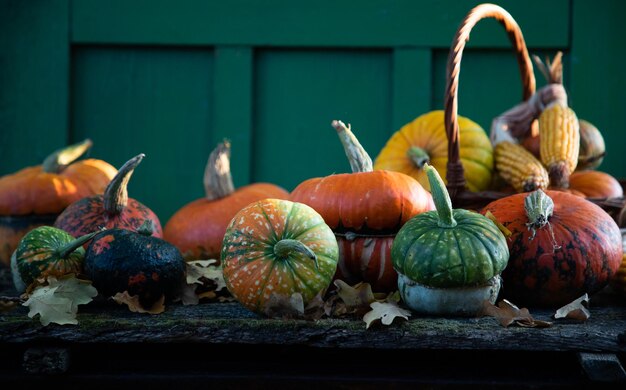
x: 119, y: 260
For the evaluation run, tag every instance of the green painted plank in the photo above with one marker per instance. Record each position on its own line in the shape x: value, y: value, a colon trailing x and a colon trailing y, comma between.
x: 365, y: 23
x: 598, y: 81
x: 489, y: 83
x: 34, y: 73
x: 298, y: 94
x: 412, y: 86
x: 144, y: 100
x: 232, y: 106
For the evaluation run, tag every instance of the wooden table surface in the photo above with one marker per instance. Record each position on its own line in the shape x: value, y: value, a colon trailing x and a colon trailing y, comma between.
x: 223, y: 343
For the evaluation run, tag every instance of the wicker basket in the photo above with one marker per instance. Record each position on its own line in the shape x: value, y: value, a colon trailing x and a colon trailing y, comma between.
x: 461, y: 196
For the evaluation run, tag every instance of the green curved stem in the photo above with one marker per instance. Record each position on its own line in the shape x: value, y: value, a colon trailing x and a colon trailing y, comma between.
x: 71, y: 246
x: 441, y: 197
x: 359, y: 160
x: 284, y: 248
x: 218, y: 180
x: 59, y: 159
x: 418, y: 156
x: 116, y: 193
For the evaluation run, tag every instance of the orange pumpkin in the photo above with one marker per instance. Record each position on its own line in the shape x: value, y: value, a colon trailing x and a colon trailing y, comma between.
x: 34, y: 196
x: 595, y: 184
x: 197, y: 229
x: 365, y: 209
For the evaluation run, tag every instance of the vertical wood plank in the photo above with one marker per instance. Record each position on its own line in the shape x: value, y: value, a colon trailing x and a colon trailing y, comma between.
x: 598, y: 82
x: 34, y: 73
x: 232, y: 107
x: 412, y: 85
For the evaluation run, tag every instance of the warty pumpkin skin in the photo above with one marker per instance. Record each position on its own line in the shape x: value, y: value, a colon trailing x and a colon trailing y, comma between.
x: 562, y: 247
x: 424, y: 140
x: 275, y: 246
x: 34, y: 196
x: 197, y: 229
x: 113, y: 209
x: 365, y: 209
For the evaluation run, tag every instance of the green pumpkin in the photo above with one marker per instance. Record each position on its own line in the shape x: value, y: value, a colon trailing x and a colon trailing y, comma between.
x: 449, y: 248
x: 45, y: 251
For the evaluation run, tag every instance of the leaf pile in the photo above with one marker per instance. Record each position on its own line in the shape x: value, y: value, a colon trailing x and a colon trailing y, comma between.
x: 508, y: 314
x: 204, y: 280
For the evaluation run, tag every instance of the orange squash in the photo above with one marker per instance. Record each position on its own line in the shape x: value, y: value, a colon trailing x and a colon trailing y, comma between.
x: 365, y: 209
x: 197, y: 229
x: 595, y: 184
x: 34, y: 196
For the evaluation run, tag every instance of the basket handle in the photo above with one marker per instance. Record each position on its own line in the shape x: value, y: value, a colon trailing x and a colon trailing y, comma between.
x: 454, y: 176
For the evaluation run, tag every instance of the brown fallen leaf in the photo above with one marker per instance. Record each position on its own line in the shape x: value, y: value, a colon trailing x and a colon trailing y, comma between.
x: 576, y: 310
x: 132, y: 301
x: 9, y: 303
x: 386, y: 312
x: 508, y: 313
x: 286, y: 307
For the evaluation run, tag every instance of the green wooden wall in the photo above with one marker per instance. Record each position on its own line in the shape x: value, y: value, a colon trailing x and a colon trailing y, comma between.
x: 172, y: 78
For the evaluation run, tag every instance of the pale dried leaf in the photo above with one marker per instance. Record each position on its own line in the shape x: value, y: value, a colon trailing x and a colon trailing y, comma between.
x: 281, y: 306
x: 503, y: 229
x: 188, y: 295
x: 386, y: 312
x: 576, y: 310
x: 58, y: 301
x: 198, y: 269
x: 132, y: 301
x: 315, y: 310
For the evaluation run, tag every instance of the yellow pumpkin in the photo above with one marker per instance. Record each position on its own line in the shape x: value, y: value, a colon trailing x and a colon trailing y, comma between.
x: 424, y: 140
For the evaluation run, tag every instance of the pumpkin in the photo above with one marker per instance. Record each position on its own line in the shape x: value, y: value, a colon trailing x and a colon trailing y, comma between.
x: 113, y: 209
x: 592, y: 147
x: 561, y: 246
x: 448, y: 249
x: 424, y: 140
x: 365, y: 209
x: 34, y: 196
x: 595, y: 184
x: 275, y: 246
x: 146, y: 266
x: 198, y: 228
x: 46, y: 251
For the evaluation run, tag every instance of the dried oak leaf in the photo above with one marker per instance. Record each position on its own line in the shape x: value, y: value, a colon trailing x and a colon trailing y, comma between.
x: 282, y: 306
x: 576, y: 310
x: 203, y: 278
x: 507, y: 313
x: 356, y: 298
x: 58, y: 301
x: 132, y: 301
x: 386, y: 312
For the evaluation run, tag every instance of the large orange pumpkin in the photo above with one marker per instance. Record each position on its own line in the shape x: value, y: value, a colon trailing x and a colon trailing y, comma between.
x: 424, y: 140
x: 34, y: 196
x: 561, y: 247
x: 197, y: 229
x: 365, y: 209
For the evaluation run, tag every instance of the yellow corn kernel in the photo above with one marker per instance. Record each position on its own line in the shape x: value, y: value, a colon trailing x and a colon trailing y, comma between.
x: 518, y: 167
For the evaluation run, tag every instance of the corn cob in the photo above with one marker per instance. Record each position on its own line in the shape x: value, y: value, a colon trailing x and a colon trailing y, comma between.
x: 518, y: 167
x: 559, y: 143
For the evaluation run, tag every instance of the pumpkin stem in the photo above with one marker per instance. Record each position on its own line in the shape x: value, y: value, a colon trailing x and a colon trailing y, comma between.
x: 71, y: 246
x: 359, y: 160
x: 284, y: 247
x: 441, y: 197
x: 539, y: 208
x: 116, y: 193
x: 218, y: 181
x: 61, y: 158
x: 418, y: 156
